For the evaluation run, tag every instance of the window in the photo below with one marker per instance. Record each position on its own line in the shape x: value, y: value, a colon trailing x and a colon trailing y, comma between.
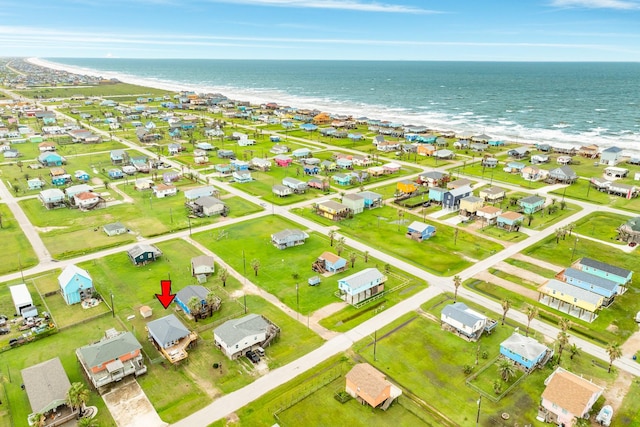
x: 575, y: 300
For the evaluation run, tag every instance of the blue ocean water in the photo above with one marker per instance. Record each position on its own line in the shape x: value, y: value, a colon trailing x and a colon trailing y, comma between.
x: 553, y: 102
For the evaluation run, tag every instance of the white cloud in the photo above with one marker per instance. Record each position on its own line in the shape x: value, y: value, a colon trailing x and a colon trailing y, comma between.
x: 599, y: 4
x: 354, y: 5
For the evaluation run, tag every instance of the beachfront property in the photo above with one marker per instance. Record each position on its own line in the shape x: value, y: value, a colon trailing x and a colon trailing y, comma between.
x: 116, y: 356
x: 370, y: 386
x: 288, y: 238
x: 589, y: 151
x: 465, y: 322
x: 611, y: 156
x: 573, y: 300
x: 360, y: 286
x: 566, y: 397
x: 237, y: 336
x: 616, y: 172
x: 525, y: 352
x: 419, y: 231
x: 171, y: 337
x: 76, y: 284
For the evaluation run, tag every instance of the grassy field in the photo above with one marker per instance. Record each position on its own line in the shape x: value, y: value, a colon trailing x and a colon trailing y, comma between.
x: 100, y: 90
x: 601, y: 226
x: 16, y: 246
x: 443, y: 254
x: 581, y: 190
x: 531, y: 267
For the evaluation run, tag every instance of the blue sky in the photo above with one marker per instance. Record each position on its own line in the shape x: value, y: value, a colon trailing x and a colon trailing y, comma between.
x: 477, y: 30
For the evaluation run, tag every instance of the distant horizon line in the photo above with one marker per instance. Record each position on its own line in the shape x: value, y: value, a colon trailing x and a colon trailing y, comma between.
x: 325, y: 59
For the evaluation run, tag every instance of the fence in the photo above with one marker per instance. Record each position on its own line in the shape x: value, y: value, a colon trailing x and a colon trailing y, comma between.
x: 492, y: 397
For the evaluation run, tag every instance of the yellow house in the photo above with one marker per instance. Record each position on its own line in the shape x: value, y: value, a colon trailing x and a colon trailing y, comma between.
x: 332, y: 210
x: 470, y: 205
x: 426, y: 150
x: 570, y: 299
x: 492, y: 194
x: 406, y: 186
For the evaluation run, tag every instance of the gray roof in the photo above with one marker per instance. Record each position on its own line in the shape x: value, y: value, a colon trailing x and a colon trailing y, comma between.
x: 532, y: 200
x: 573, y: 291
x: 167, y: 329
x: 634, y: 223
x: 526, y: 347
x: 460, y: 190
x: 598, y: 281
x: 331, y: 204
x: 235, y: 330
x: 114, y: 226
x: 362, y: 278
x: 207, y: 201
x: 563, y: 171
x: 605, y: 267
x: 281, y: 188
x: 292, y: 181
x: 138, y: 250
x: 472, y: 199
x: 370, y: 195
x: 353, y: 197
x: 493, y: 190
x: 191, y: 291
x: 612, y: 150
x: 204, y: 260
x: 433, y: 175
x: 463, y: 314
x: 108, y: 349
x: 46, y: 384
x: 285, y: 234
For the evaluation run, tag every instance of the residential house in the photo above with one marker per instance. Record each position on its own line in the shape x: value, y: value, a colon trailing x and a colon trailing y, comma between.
x: 570, y: 299
x: 426, y: 150
x: 164, y: 190
x: 22, y: 301
x: 436, y: 194
x: 116, y: 356
x: 477, y: 147
x: 207, y: 302
x: 279, y: 149
x: 142, y: 184
x: 344, y: 163
x: 488, y: 214
x: 87, y: 200
x: 464, y: 321
x: 444, y: 154
x: 563, y: 174
x: 611, y: 156
x: 420, y: 231
x: 239, y: 165
x: 281, y: 190
x: 489, y: 162
x: 615, y: 172
x: 601, y: 286
x: 208, y: 206
x: 318, y: 183
x: 525, y: 351
x: 332, y: 210
x: 510, y: 220
x: 46, y: 146
x: 202, y: 264
x: 624, y: 190
x: 223, y: 169
x: 371, y: 199
x: 368, y: 385
x: 341, y: 179
x: 226, y: 154
x: 174, y: 148
x: 513, y: 167
x: 282, y: 160
x: 461, y: 144
x: 310, y: 169
x: 589, y: 151
x: 567, y: 397
x: 52, y: 198
x: 533, y: 173
x: 301, y: 153
x: 469, y: 205
x: 629, y: 232
x: 295, y: 184
x: 35, y: 183
x: 288, y: 238
x: 537, y: 159
x: 119, y: 157
x: 236, y: 336
x: 204, y: 146
x: 390, y: 168
x: 451, y: 199
x: 75, y: 284
x: 51, y: 159
x: 260, y: 164
x: 355, y: 202
x: 375, y: 170
x: 170, y: 177
x: 77, y: 189
x: 433, y: 178
x: 142, y: 253
x: 492, y: 194
x: 406, y: 186
x: 171, y: 337
x: 46, y: 385
x: 114, y: 229
x: 115, y: 174
x: 531, y: 204
x: 81, y: 175
x: 362, y: 285
x: 519, y: 153
x: 462, y: 182
x: 564, y: 160
x: 198, y: 192
x: 496, y: 143
x: 11, y: 154
x: 329, y: 262
x: 604, y: 270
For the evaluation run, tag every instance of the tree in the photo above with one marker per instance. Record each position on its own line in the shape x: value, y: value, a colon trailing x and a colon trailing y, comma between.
x: 506, y: 305
x: 517, y: 224
x: 365, y: 253
x: 19, y: 164
x: 255, y: 264
x: 563, y: 205
x: 213, y: 303
x: 529, y: 219
x: 38, y: 419
x: 352, y: 257
x: 332, y: 235
x: 506, y: 369
x: 77, y: 396
x: 457, y: 281
x: 574, y: 350
x: 340, y: 246
x: 194, y: 305
x: 564, y: 324
x: 570, y: 228
x: 615, y: 352
x: 531, y: 313
x: 497, y: 386
x: 224, y: 275
x: 87, y: 422
x: 563, y: 340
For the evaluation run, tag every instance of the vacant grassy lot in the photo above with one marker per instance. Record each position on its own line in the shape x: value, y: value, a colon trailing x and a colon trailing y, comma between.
x: 18, y: 252
x: 443, y: 254
x: 580, y: 190
x: 100, y: 90
x: 601, y: 226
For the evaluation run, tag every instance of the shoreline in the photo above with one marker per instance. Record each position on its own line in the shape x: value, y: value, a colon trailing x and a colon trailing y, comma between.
x: 253, y: 97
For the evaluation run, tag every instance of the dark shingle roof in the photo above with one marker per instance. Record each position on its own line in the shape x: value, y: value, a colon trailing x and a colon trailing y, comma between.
x: 605, y: 267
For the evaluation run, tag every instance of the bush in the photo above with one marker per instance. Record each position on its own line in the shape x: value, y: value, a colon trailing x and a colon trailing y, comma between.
x: 467, y: 369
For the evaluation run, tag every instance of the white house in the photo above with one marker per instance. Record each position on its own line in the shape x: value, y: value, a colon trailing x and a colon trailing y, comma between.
x: 463, y: 320
x: 164, y: 190
x: 235, y: 336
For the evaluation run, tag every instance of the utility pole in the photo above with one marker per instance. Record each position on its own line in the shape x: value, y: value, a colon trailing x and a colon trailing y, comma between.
x: 375, y: 342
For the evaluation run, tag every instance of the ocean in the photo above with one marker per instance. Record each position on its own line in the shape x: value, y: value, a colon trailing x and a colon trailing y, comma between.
x: 582, y: 103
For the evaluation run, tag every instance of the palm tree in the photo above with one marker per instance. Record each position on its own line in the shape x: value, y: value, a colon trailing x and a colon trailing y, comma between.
x: 366, y: 256
x: 38, y: 419
x: 529, y: 219
x: 563, y: 205
x: 574, y: 350
x: 194, y: 305
x: 563, y: 340
x: 213, y: 302
x: 506, y: 305
x: 87, y: 422
x: 614, y: 351
x: 457, y: 281
x: 340, y: 246
x: 352, y: 258
x: 531, y: 313
x: 517, y: 224
x: 77, y: 396
x: 506, y: 369
x: 564, y: 324
x: 255, y: 264
x: 224, y: 275
x: 332, y: 235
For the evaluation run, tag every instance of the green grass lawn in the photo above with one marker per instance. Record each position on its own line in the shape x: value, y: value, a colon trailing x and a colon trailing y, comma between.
x: 581, y: 190
x: 99, y: 90
x: 601, y: 226
x: 443, y: 254
x: 504, y: 235
x: 531, y: 267
x: 497, y: 175
x: 16, y: 246
x: 7, y: 308
x: 629, y: 412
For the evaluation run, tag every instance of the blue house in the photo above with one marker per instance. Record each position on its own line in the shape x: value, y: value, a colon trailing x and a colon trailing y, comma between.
x: 601, y: 286
x: 514, y: 167
x: 611, y: 272
x: 371, y: 199
x: 531, y: 204
x: 175, y: 133
x: 51, y: 159
x: 184, y: 295
x: 420, y: 231
x: 331, y: 262
x: 496, y: 143
x: 61, y: 179
x: 115, y: 173
x: 311, y: 169
x: 239, y: 165
x: 525, y: 351
x: 342, y: 179
x: 301, y: 153
x: 451, y: 199
x: 610, y: 156
x: 223, y: 168
x: 118, y: 156
x: 75, y: 284
x: 344, y: 163
x: 35, y: 183
x: 361, y: 286
x: 274, y: 138
x: 81, y: 176
x: 437, y: 194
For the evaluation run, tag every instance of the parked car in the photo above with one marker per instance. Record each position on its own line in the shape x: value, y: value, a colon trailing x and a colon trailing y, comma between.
x: 251, y: 355
x: 4, y: 331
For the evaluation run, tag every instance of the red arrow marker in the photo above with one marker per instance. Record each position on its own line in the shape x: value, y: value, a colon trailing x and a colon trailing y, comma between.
x: 166, y: 297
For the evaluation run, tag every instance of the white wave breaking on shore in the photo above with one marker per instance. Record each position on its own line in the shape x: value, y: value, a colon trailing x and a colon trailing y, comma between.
x: 467, y: 121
